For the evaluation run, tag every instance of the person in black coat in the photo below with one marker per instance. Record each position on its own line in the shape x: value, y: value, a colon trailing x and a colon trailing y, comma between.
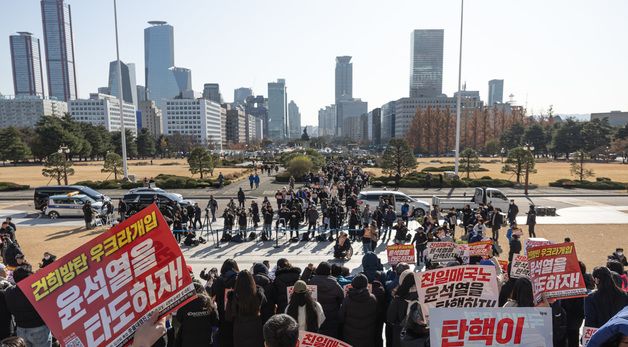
x: 243, y: 310
x: 330, y: 296
x: 285, y: 276
x: 604, y: 302
x: 531, y: 221
x: 358, y: 314
x: 223, y: 283
x: 513, y: 211
x: 241, y: 198
x: 262, y: 280
x: 515, y: 246
x: 398, y: 308
x: 197, y: 319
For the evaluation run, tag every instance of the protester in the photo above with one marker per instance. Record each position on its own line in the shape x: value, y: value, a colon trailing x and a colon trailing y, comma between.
x: 605, y: 301
x: 281, y: 330
x: 330, y: 296
x: 358, y: 314
x: 619, y: 256
x: 197, y: 320
x: 403, y: 297
x: 304, y: 309
x: 243, y: 309
x: 531, y: 221
x: 285, y: 276
x: 226, y: 281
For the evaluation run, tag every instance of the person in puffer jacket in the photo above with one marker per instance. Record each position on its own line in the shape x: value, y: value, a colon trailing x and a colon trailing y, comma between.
x: 262, y: 280
x: 613, y: 333
x: 330, y: 296
x: 224, y: 282
x: 358, y: 314
x: 285, y: 276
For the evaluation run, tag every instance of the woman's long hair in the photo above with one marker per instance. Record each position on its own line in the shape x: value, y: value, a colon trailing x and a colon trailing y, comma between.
x: 611, y: 299
x: 522, y: 293
x: 311, y: 317
x: 229, y: 264
x: 246, y: 294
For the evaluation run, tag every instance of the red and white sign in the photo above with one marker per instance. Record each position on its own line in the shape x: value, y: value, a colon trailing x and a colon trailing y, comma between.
x: 310, y: 287
x: 400, y: 254
x: 504, y: 265
x: 498, y: 326
x: 441, y: 251
x: 555, y: 272
x: 481, y: 249
x: 519, y: 267
x: 308, y: 339
x: 587, y: 332
x: 458, y: 286
x: 535, y: 242
x: 99, y: 293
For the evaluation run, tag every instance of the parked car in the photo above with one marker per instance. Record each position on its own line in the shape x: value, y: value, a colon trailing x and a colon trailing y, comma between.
x: 482, y: 195
x: 139, y: 199
x: 419, y: 207
x: 69, y: 205
x: 43, y: 193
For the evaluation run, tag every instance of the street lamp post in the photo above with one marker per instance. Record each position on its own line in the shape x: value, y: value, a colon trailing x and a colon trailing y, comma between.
x: 65, y: 150
x: 120, y: 96
x: 459, y: 101
x: 503, y: 152
x: 528, y: 148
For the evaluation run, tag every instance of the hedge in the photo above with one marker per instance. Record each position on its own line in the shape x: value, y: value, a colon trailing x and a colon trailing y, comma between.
x: 10, y: 186
x: 449, y: 168
x: 162, y: 181
x: 418, y: 181
x: 602, y: 183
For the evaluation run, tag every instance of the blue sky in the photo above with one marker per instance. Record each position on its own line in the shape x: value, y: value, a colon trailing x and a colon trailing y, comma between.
x: 570, y: 54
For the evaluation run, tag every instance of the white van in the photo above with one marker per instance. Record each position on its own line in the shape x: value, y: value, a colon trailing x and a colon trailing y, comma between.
x: 372, y: 197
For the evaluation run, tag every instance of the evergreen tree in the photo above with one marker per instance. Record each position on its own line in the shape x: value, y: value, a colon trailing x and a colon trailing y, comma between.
x: 200, y: 161
x: 398, y: 159
x: 469, y: 161
x: 12, y: 148
x: 145, y: 144
x: 519, y: 159
x: 57, y: 167
x: 113, y: 164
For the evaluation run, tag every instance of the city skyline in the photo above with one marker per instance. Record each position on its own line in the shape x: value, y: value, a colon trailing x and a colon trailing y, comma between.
x: 543, y: 65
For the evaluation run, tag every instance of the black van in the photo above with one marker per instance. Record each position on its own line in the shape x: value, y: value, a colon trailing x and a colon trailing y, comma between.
x: 42, y: 194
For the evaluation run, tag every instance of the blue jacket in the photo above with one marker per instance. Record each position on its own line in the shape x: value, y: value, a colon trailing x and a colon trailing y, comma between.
x: 618, y: 325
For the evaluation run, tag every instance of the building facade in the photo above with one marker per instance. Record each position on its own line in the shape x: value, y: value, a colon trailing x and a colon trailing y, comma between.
x: 615, y: 118
x: 102, y: 109
x: 28, y: 78
x: 294, y: 119
x: 129, y: 85
x: 196, y: 117
x: 344, y: 78
x: 327, y: 121
x: 211, y: 91
x: 495, y: 92
x: 240, y: 95
x: 236, y: 125
x: 278, y: 110
x: 388, y: 121
x: 347, y: 109
x: 374, y: 127
x: 257, y: 106
x: 426, y: 70
x: 251, y: 129
x: 26, y: 111
x: 151, y: 117
x: 59, y: 42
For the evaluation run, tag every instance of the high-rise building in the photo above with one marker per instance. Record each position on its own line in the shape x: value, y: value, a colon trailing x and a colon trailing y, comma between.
x: 240, y: 95
x: 374, y: 126
x: 346, y: 109
x: 344, y: 78
x: 614, y: 118
x: 327, y: 121
x: 26, y: 111
x: 101, y: 109
x: 129, y: 85
x: 59, y: 41
x: 164, y: 80
x: 141, y: 93
x: 388, y: 121
x: 495, y: 92
x: 257, y: 106
x: 151, y: 117
x: 211, y: 91
x: 294, y: 118
x: 28, y: 78
x: 251, y: 129
x: 196, y: 117
x: 426, y: 70
x: 277, y: 110
x: 236, y: 124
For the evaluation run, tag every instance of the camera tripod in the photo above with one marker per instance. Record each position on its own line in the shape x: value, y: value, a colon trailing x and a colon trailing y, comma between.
x: 207, y: 225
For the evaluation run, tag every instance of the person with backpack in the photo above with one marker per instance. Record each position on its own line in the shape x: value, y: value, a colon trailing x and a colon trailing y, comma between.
x: 358, y: 314
x: 403, y: 299
x: 304, y: 309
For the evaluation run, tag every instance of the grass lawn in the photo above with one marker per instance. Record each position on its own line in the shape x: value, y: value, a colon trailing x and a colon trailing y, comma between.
x: 32, y: 176
x: 546, y: 172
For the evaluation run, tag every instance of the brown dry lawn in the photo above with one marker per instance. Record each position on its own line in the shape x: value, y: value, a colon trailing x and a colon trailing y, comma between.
x: 32, y: 176
x: 546, y: 172
x: 593, y: 242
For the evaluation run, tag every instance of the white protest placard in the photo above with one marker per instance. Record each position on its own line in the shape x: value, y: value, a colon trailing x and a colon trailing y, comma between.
x: 498, y: 326
x: 441, y: 251
x: 310, y: 287
x: 519, y: 267
x: 587, y: 332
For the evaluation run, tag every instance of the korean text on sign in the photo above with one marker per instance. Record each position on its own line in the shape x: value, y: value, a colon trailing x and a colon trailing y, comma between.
x: 481, y: 248
x: 308, y: 339
x: 99, y: 293
x: 400, y: 254
x: 555, y: 272
x: 519, y: 267
x: 458, y: 286
x: 441, y: 251
x: 491, y: 326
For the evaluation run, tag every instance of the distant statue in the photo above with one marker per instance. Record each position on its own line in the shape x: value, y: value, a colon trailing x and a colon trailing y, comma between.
x: 305, y: 136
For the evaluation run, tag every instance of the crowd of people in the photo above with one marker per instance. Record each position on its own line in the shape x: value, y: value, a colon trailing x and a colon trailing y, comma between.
x: 268, y: 304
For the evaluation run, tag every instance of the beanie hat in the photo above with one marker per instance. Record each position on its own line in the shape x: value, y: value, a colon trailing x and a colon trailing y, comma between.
x: 323, y: 269
x: 360, y: 281
x: 300, y: 287
x: 260, y: 268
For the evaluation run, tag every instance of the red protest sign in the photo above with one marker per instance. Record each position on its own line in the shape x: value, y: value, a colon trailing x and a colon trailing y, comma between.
x: 400, y: 254
x: 481, y: 249
x: 308, y: 339
x: 555, y: 272
x: 99, y: 293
